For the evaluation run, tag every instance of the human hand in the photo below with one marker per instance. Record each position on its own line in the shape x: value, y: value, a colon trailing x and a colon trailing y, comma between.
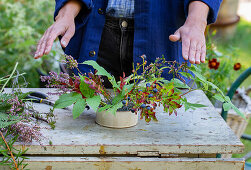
x: 193, y: 42
x: 191, y: 34
x: 64, y: 25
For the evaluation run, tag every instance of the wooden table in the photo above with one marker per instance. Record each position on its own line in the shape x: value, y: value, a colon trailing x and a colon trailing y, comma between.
x: 190, y: 140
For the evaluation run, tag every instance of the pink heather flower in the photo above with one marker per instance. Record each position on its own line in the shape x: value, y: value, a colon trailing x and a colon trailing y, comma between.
x: 70, y: 61
x: 27, y: 132
x: 60, y: 81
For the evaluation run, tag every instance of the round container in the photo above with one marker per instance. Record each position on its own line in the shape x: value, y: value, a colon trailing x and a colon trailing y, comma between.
x: 122, y: 119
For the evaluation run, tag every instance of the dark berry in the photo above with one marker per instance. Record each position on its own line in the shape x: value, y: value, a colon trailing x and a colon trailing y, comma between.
x: 143, y: 106
x: 150, y: 95
x: 124, y: 102
x: 87, y: 107
x: 148, y: 85
x: 132, y: 110
x: 128, y: 98
x: 140, y: 91
x: 148, y: 108
x: 155, y: 90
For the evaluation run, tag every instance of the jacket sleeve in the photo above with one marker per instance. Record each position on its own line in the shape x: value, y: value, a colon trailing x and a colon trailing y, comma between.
x: 61, y: 3
x: 213, y: 5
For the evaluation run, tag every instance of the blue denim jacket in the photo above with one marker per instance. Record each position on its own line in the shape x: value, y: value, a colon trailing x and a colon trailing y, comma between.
x: 155, y: 20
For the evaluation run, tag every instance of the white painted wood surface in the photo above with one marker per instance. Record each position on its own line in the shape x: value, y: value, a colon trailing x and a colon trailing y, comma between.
x: 132, y: 163
x: 202, y: 131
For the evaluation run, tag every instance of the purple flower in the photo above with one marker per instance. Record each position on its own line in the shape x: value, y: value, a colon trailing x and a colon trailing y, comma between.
x: 72, y: 63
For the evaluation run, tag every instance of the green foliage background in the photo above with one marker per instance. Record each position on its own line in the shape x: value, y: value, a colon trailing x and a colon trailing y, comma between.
x: 22, y: 23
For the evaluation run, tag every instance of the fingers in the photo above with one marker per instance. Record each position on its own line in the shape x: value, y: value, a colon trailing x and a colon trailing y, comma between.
x: 203, y: 53
x: 185, y: 48
x: 38, y: 52
x: 45, y: 44
x: 67, y: 36
x: 198, y: 54
x: 50, y: 39
x: 192, y: 51
x: 175, y: 37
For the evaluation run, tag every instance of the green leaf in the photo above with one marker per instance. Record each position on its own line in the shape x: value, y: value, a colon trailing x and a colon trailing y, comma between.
x: 126, y: 89
x: 199, y: 77
x: 94, y: 102
x: 196, y: 68
x: 238, y: 111
x: 115, y: 107
x: 7, y: 120
x: 219, y: 97
x: 117, y: 98
x: 85, y: 89
x: 78, y: 108
x: 179, y: 84
x: 187, y: 75
x: 66, y: 100
x: 227, y: 106
x: 105, y: 108
x: 197, y: 105
x: 102, y: 72
x: 192, y: 106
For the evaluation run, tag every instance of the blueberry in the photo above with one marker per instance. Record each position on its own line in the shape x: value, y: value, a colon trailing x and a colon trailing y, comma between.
x: 87, y: 107
x: 148, y: 108
x: 140, y: 91
x: 128, y: 98
x: 148, y: 85
x: 124, y: 102
x: 150, y: 95
x: 155, y: 90
x: 143, y: 106
x: 132, y: 110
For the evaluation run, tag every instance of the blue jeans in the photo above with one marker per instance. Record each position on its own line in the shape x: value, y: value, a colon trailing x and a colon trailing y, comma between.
x: 116, y: 46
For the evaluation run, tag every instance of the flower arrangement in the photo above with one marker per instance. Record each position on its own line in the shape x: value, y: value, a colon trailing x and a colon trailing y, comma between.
x: 141, y: 92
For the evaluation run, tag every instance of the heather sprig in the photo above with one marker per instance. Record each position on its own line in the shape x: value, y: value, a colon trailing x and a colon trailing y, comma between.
x: 70, y: 61
x: 17, y: 122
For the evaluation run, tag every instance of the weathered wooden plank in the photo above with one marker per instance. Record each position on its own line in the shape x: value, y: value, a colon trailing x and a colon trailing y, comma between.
x: 132, y: 163
x: 192, y: 132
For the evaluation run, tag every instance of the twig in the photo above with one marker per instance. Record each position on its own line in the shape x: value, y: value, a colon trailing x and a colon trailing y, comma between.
x: 9, y: 78
x: 6, y: 77
x: 40, y: 118
x: 188, y: 92
x: 9, y: 150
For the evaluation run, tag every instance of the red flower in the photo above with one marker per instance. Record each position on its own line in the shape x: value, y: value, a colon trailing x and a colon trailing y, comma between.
x: 237, y: 66
x: 213, y: 64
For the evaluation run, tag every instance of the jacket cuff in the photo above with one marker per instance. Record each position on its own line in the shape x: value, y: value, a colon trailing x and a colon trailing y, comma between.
x: 213, y: 5
x: 80, y: 17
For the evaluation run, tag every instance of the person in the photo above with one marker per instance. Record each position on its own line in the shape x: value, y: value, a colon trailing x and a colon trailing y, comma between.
x: 116, y: 32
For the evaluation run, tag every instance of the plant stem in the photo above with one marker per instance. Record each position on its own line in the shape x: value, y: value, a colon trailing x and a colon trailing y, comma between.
x: 9, y: 78
x: 9, y: 150
x: 188, y: 92
x: 4, y: 79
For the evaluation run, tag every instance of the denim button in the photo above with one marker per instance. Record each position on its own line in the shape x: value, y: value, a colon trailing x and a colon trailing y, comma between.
x: 92, y: 53
x: 124, y: 24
